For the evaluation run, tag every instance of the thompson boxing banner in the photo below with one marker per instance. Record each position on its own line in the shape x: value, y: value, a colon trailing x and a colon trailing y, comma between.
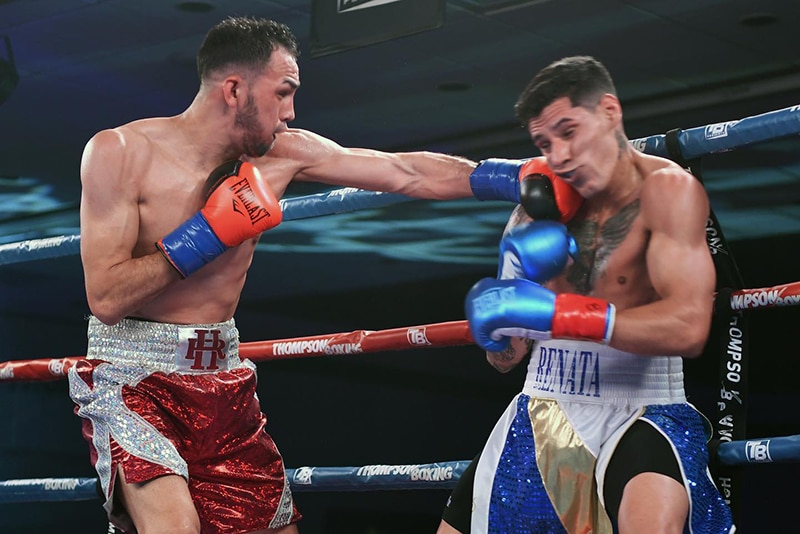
x: 339, y: 25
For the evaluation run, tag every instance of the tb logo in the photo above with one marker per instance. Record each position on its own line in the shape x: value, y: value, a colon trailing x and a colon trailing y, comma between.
x: 207, y: 341
x: 758, y: 451
x: 416, y: 336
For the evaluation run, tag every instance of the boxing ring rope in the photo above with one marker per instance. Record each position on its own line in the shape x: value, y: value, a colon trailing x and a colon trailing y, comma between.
x: 446, y: 334
x: 356, y: 342
x: 439, y: 475
x: 341, y: 200
x: 765, y: 297
x: 781, y: 449
x: 691, y: 143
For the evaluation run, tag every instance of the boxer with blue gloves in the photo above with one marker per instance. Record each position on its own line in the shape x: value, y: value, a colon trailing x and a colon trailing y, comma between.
x: 500, y: 308
x: 536, y: 251
x: 530, y: 255
x: 600, y: 437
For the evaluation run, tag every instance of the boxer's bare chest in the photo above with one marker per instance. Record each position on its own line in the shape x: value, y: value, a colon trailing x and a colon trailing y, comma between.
x: 169, y: 193
x: 611, y: 261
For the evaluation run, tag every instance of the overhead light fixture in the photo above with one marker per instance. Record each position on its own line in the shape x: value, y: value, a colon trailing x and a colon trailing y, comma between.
x: 9, y: 77
x: 754, y: 20
x: 493, y: 7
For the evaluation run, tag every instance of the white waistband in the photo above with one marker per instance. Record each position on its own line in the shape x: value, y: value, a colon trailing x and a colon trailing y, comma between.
x: 590, y: 372
x: 166, y: 347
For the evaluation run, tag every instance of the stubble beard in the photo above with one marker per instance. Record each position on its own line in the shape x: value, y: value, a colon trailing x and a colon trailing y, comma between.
x: 254, y: 145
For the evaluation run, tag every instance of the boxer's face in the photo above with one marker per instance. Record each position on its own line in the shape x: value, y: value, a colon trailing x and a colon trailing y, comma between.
x: 579, y: 143
x: 269, y: 104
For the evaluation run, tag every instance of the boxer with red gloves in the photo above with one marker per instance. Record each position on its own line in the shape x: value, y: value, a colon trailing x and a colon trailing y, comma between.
x: 239, y: 206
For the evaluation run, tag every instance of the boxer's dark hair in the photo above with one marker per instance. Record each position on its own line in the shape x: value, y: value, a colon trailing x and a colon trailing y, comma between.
x: 582, y: 79
x: 243, y: 41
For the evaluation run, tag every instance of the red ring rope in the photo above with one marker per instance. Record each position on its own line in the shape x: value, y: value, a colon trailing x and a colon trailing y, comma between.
x: 367, y: 341
x: 356, y: 342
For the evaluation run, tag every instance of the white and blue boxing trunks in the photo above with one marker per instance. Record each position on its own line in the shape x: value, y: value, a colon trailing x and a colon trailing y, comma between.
x: 543, y: 467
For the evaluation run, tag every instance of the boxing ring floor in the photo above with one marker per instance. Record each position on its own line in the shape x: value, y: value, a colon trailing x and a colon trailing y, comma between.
x: 393, y: 407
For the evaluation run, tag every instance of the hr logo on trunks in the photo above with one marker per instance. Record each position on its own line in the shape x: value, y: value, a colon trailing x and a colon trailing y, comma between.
x: 206, y: 342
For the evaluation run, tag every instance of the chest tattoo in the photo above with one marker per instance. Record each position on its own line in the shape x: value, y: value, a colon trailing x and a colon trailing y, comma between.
x: 596, y: 243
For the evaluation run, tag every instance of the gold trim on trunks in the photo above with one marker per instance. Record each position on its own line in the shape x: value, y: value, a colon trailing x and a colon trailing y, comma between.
x: 567, y: 469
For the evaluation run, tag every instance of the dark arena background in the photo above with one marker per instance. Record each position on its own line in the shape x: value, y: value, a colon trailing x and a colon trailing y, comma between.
x: 445, y: 80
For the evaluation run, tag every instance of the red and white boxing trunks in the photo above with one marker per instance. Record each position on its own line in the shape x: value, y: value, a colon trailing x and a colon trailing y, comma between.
x: 161, y: 399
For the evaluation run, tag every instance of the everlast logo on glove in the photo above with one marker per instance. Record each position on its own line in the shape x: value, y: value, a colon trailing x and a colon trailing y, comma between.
x: 244, y: 192
x: 221, y: 223
x: 491, y: 300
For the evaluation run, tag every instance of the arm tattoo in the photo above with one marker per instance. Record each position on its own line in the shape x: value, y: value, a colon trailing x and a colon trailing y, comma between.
x: 596, y: 243
x: 497, y: 359
x: 517, y: 217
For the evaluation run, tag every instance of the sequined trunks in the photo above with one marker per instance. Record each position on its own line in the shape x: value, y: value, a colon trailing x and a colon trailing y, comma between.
x: 161, y: 399
x: 543, y: 467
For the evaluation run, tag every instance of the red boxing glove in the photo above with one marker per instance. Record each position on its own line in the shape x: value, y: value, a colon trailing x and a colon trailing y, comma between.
x: 544, y: 195
x: 239, y: 205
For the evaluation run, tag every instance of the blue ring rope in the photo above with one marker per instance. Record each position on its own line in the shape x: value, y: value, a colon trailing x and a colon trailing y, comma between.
x: 694, y: 142
x: 440, y: 475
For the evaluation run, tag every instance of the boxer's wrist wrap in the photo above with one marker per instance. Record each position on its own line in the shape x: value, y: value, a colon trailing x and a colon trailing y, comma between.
x: 496, y: 179
x: 191, y: 245
x: 584, y: 318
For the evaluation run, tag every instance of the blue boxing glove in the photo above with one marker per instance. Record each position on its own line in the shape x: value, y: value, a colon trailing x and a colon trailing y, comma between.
x: 536, y: 251
x: 498, y: 309
x: 531, y: 183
